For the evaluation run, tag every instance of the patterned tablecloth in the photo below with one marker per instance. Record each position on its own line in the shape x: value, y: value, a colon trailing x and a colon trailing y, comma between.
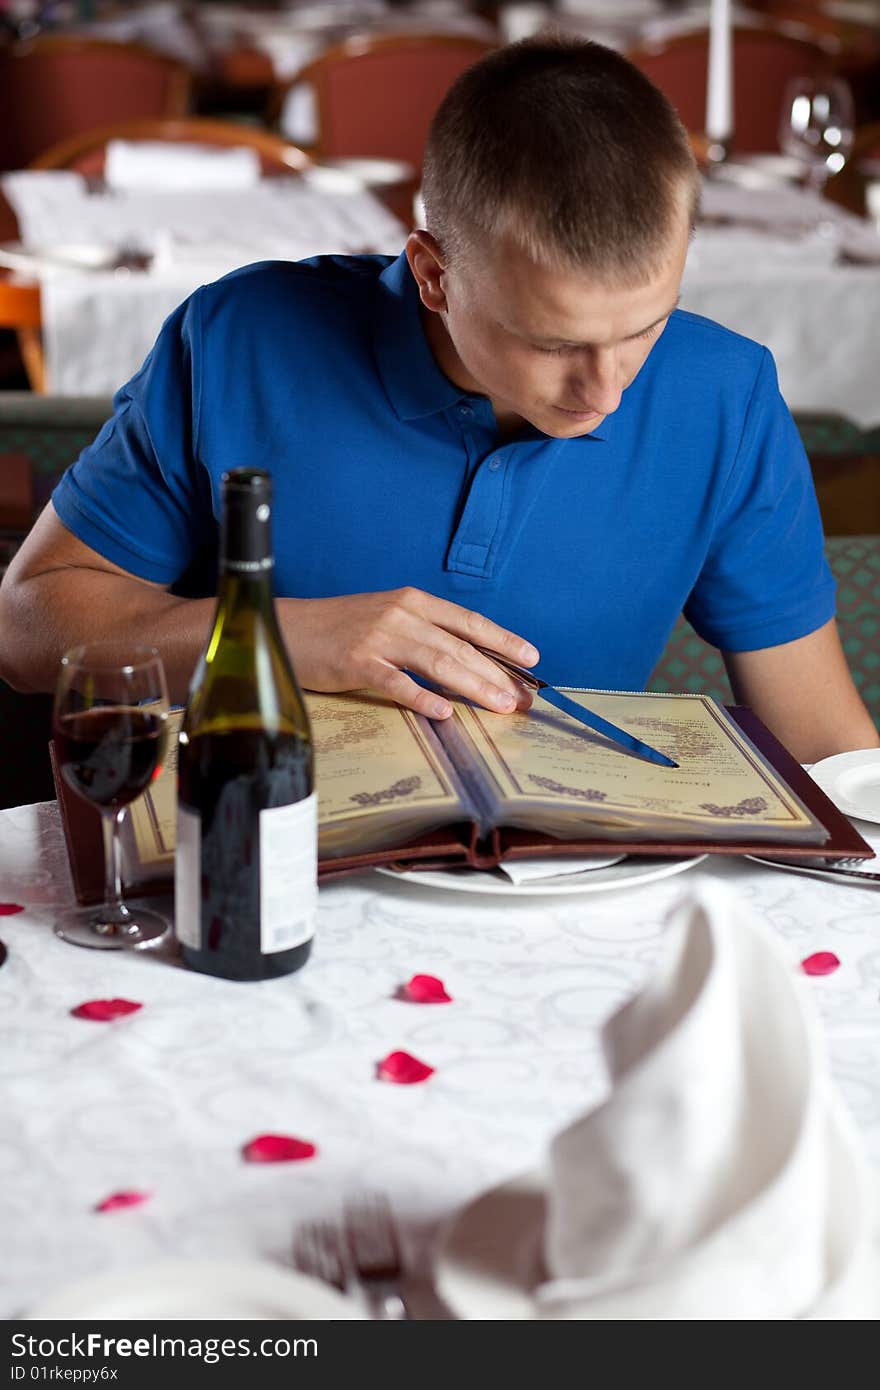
x: 165, y: 1099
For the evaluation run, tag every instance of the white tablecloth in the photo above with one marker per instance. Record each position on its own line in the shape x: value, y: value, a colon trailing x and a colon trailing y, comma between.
x: 99, y: 325
x: 164, y: 1100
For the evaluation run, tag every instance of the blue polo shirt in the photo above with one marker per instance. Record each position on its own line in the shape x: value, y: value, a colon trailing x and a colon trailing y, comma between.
x: 695, y: 494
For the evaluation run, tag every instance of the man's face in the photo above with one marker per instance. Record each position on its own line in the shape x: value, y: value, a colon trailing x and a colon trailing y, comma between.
x: 554, y: 347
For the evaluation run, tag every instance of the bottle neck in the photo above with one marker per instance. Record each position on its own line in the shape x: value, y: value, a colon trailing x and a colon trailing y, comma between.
x: 245, y: 541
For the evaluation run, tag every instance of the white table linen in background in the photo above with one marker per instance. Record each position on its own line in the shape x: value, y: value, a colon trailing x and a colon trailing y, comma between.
x: 170, y: 164
x: 163, y: 1100
x: 99, y: 326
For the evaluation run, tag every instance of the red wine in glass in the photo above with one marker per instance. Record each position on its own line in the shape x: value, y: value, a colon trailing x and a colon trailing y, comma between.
x: 109, y: 721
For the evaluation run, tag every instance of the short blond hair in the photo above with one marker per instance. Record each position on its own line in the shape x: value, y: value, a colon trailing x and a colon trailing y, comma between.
x: 568, y: 149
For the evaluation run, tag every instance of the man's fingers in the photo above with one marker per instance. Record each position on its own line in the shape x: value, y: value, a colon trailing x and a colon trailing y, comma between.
x: 401, y: 688
x: 474, y: 628
x: 459, y: 669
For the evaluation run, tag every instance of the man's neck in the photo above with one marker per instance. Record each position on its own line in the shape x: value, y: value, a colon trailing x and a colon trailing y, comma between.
x: 509, y: 424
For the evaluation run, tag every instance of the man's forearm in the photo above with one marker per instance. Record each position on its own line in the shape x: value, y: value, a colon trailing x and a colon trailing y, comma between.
x: 43, y: 616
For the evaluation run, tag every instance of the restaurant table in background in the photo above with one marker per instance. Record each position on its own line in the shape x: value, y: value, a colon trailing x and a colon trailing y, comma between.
x: 99, y: 324
x: 163, y: 1101
x: 771, y: 267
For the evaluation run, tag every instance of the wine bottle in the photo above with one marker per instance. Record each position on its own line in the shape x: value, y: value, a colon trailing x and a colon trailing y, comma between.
x: 247, y: 824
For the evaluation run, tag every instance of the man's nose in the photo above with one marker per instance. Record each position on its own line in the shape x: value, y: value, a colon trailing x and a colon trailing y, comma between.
x: 597, y: 381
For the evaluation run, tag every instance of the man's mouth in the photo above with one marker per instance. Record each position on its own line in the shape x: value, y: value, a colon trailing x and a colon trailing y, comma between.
x: 580, y: 415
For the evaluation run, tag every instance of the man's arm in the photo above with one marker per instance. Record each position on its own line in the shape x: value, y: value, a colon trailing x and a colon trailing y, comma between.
x: 59, y: 592
x: 804, y: 693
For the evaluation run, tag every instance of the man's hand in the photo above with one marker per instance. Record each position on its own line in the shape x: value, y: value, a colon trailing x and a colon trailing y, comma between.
x: 362, y: 641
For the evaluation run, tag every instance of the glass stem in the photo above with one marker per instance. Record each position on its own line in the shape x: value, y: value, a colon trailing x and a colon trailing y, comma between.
x: 110, y: 823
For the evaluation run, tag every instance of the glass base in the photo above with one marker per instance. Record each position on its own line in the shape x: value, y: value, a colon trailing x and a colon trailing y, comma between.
x: 112, y: 928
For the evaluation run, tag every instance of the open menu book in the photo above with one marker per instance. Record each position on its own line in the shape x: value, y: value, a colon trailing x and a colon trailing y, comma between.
x: 480, y: 788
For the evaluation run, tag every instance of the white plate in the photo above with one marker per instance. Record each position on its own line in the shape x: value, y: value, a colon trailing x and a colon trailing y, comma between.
x: 219, y: 1289
x: 761, y: 170
x: 631, y: 873
x: 852, y: 781
x: 69, y: 255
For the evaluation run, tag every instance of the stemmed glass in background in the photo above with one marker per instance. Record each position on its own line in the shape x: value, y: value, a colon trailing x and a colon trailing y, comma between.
x: 109, y: 719
x: 817, y: 125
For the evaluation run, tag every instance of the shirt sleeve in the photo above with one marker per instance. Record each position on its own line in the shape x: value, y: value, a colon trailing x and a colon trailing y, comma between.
x: 137, y: 495
x: 765, y: 579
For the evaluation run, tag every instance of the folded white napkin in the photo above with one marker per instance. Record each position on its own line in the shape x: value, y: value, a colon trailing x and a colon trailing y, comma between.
x: 140, y: 164
x: 556, y: 866
x: 720, y: 1179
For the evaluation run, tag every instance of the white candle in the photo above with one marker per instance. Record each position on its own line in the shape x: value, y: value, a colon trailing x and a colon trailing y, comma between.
x: 719, y: 88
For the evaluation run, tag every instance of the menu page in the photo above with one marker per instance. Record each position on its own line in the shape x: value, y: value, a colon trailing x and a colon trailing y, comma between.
x: 546, y: 759
x: 373, y: 760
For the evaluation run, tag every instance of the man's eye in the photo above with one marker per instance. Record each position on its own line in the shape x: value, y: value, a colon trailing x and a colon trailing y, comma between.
x: 551, y: 351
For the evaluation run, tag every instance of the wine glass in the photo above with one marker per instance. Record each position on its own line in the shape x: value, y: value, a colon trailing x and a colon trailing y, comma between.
x: 817, y: 125
x: 109, y: 719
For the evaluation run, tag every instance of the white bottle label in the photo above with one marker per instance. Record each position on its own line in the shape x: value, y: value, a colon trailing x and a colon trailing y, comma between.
x: 188, y: 879
x: 288, y: 875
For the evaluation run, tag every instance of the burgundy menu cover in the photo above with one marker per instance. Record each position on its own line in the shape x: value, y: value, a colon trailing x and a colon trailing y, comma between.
x: 459, y: 845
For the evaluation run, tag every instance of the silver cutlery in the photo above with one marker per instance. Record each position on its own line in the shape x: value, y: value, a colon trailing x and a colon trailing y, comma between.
x: 374, y: 1248
x: 824, y: 868
x: 365, y: 1251
x: 318, y: 1250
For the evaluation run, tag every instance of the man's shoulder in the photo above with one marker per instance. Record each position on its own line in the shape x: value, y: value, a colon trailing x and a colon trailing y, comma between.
x: 692, y: 335
x: 315, y: 283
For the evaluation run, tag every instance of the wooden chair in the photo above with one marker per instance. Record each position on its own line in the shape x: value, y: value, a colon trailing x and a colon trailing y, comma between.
x: 763, y: 61
x: 84, y: 153
x: 375, y: 95
x: 56, y: 86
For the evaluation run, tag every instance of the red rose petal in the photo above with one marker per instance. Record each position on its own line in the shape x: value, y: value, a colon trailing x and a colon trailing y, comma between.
x: 820, y: 963
x: 403, y: 1069
x: 105, y: 1010
x: 10, y: 909
x: 426, y: 989
x: 123, y: 1199
x: 278, y: 1148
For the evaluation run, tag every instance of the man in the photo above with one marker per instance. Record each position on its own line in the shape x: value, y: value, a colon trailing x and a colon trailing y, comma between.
x: 507, y: 438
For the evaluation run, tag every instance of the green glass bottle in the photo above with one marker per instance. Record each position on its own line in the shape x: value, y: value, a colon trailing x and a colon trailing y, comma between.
x: 247, y: 825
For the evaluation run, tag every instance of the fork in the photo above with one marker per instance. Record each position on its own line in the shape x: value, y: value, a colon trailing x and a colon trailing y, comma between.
x: 375, y: 1254
x: 820, y: 867
x: 318, y: 1250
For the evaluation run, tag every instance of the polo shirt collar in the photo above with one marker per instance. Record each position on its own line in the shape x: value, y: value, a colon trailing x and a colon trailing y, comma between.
x: 413, y: 382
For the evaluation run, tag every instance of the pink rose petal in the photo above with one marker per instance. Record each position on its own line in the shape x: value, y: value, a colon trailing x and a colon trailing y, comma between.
x: 820, y: 963
x: 403, y: 1069
x: 123, y: 1199
x: 105, y: 1010
x: 278, y: 1148
x: 425, y: 989
x: 10, y: 909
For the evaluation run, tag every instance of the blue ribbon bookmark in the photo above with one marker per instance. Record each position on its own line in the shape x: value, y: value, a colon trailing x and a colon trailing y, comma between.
x: 579, y: 712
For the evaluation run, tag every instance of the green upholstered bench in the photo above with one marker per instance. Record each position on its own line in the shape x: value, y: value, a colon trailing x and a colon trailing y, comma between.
x: 39, y: 437
x: 688, y: 664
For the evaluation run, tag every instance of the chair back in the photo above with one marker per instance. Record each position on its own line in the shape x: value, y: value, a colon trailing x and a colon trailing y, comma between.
x: 763, y: 61
x: 375, y: 95
x: 56, y: 86
x: 85, y: 153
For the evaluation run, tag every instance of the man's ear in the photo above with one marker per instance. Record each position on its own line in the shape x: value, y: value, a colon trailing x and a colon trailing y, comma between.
x: 427, y: 263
